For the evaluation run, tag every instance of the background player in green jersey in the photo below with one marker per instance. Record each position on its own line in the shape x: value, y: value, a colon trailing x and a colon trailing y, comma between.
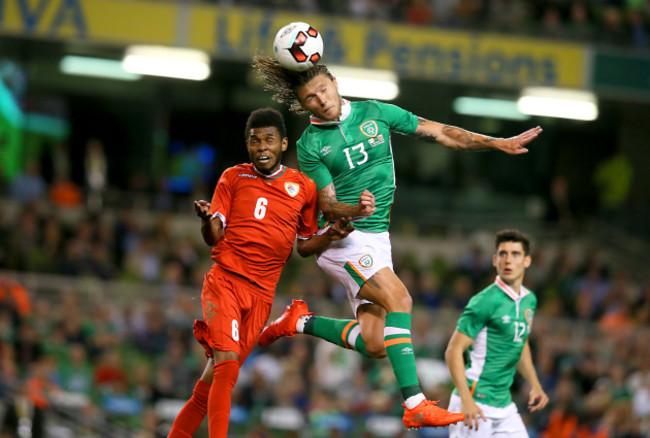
x: 346, y: 150
x: 494, y: 327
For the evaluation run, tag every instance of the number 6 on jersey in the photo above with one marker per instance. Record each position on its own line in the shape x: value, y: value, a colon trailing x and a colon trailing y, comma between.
x: 260, y: 208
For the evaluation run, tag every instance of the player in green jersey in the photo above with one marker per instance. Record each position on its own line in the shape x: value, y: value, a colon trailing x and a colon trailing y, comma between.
x: 347, y: 150
x: 494, y: 327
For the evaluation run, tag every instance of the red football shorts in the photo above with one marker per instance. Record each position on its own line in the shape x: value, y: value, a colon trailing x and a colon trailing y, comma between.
x: 235, y: 311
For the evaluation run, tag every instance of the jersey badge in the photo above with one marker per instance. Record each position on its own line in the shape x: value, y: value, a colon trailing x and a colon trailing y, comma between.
x: 369, y: 128
x: 528, y: 314
x: 326, y: 150
x: 376, y: 141
x: 366, y: 261
x: 292, y: 188
x: 505, y: 319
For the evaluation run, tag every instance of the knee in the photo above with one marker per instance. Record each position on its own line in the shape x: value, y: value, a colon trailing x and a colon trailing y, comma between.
x: 376, y: 350
x: 401, y: 301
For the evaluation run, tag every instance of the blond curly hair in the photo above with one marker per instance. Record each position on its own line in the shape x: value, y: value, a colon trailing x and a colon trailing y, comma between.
x: 284, y: 83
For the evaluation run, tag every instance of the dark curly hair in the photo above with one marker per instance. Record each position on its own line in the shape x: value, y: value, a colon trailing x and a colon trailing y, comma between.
x: 284, y: 83
x: 512, y: 236
x: 264, y: 118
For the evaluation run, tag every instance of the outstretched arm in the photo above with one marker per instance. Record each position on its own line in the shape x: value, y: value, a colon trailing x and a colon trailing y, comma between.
x: 458, y: 138
x: 458, y: 343
x: 537, y: 398
x: 211, y: 228
x: 333, y: 209
x: 319, y: 242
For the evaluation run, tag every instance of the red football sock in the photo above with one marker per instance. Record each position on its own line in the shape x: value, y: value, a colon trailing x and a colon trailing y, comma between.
x: 191, y: 416
x: 225, y: 377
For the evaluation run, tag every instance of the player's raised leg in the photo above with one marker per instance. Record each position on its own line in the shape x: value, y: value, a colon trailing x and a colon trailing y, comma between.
x: 385, y: 289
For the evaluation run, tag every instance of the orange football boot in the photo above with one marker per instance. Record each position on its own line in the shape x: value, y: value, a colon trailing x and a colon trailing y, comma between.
x: 427, y: 414
x: 285, y: 325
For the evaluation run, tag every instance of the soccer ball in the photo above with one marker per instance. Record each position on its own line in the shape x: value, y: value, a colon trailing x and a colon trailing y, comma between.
x: 298, y: 46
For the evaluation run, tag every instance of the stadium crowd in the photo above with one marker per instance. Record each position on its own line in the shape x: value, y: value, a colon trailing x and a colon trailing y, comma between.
x: 608, y: 22
x: 114, y: 359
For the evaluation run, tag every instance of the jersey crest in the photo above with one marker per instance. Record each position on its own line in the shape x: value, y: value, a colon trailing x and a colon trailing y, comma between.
x: 369, y: 128
x: 292, y: 188
x: 528, y: 314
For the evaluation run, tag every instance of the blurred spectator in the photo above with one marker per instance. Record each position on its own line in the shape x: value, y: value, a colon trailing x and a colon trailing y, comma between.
x: 508, y: 16
x: 612, y: 26
x: 96, y: 168
x: 75, y: 372
x: 65, y: 193
x: 551, y: 25
x: 30, y: 186
x: 639, y: 33
x: 419, y: 13
x: 613, y: 178
x: 560, y: 208
x: 581, y: 22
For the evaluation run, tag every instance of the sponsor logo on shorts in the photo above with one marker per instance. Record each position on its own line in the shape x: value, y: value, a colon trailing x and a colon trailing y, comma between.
x: 407, y: 350
x: 366, y: 261
x: 369, y: 128
x: 292, y: 188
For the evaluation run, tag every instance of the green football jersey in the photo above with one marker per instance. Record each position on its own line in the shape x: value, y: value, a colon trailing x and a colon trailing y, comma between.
x: 355, y: 154
x: 499, y: 321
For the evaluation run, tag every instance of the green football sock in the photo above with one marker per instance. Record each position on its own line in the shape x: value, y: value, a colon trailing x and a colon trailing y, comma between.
x: 399, y: 348
x: 345, y: 333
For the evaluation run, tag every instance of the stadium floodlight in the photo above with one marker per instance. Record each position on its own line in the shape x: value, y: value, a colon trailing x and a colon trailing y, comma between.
x: 559, y: 103
x: 365, y: 83
x: 488, y: 107
x: 96, y: 67
x: 171, y: 62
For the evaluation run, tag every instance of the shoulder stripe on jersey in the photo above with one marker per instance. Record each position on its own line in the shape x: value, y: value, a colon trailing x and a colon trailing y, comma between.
x: 509, y: 291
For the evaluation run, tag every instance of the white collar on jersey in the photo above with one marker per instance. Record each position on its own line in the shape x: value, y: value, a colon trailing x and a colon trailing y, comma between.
x: 510, y: 291
x: 273, y: 175
x: 346, y: 108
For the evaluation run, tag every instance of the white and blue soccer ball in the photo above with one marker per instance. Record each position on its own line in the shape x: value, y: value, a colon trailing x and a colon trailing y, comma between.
x: 298, y: 46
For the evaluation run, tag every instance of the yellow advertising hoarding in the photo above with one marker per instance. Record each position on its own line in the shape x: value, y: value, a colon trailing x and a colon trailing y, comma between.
x: 239, y: 33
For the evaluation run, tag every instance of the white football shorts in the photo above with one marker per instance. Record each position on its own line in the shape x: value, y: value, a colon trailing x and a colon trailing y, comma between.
x: 500, y: 422
x: 355, y: 259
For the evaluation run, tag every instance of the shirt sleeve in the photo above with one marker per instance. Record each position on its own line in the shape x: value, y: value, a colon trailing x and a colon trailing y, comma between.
x: 311, y: 164
x: 222, y: 196
x: 399, y: 119
x: 475, y: 316
x: 308, y: 225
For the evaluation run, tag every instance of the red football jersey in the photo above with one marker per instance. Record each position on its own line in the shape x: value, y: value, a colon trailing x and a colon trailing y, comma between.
x: 262, y: 216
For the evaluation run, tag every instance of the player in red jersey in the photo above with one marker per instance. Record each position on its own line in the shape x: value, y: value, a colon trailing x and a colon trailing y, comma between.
x: 256, y: 213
